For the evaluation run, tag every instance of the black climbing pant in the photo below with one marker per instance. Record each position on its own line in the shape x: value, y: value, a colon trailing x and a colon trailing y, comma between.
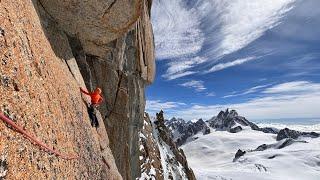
x: 93, y: 117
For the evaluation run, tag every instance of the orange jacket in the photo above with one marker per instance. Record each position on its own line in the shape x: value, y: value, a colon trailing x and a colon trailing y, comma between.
x: 96, y: 97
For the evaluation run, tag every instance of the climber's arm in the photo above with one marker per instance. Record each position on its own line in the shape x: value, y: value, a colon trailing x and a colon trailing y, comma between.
x: 84, y: 92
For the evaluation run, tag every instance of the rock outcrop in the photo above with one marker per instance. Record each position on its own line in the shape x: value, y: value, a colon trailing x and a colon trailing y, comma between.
x: 288, y: 133
x: 182, y: 131
x: 150, y: 158
x: 278, y: 145
x: 42, y: 44
x: 238, y: 154
x: 160, y: 158
x: 235, y: 129
x: 165, y: 139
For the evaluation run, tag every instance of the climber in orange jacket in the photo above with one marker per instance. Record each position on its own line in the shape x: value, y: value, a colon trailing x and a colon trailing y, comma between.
x: 96, y: 98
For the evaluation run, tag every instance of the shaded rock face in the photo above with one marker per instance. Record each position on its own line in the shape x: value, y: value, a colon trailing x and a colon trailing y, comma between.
x: 182, y: 131
x: 288, y: 133
x: 166, y: 137
x: 96, y: 22
x: 122, y: 71
x: 42, y: 44
x: 230, y: 121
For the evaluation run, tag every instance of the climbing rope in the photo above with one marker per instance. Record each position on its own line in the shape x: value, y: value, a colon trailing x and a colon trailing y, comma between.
x: 34, y: 139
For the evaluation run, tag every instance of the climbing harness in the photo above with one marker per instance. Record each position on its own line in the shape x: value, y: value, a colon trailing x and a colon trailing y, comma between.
x: 34, y: 139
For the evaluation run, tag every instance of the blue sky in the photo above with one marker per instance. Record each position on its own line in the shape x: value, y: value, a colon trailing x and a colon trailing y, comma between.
x: 261, y: 58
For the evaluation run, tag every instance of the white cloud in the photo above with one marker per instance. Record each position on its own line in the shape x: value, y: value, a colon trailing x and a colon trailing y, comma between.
x: 197, y: 85
x: 176, y: 29
x: 191, y: 34
x: 248, y: 91
x: 211, y: 94
x: 244, y: 21
x: 276, y: 103
x: 294, y: 87
x: 222, y: 66
x: 157, y: 105
x: 178, y: 75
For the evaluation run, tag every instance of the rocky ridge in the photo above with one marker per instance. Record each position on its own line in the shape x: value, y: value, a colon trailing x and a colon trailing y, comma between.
x: 161, y: 159
x: 278, y: 145
x: 288, y: 133
x: 174, y: 162
x: 150, y: 158
x: 181, y: 130
x: 230, y: 121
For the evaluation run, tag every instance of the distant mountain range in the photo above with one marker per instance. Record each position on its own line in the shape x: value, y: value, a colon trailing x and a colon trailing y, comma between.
x: 181, y: 130
x: 167, y: 147
x: 229, y: 146
x: 229, y: 120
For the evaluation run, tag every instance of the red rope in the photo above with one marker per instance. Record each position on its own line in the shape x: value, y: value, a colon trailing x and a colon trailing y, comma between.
x: 34, y: 139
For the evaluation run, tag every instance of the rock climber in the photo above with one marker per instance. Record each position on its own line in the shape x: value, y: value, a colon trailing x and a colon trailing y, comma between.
x: 96, y: 100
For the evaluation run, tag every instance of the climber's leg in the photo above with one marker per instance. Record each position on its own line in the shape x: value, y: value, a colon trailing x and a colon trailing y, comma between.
x: 93, y: 117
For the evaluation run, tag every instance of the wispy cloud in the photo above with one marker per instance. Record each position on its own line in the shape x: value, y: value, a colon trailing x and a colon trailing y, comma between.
x: 247, y: 91
x: 294, y: 87
x: 222, y: 66
x: 197, y: 85
x: 177, y: 75
x: 279, y: 101
x: 243, y: 21
x: 211, y: 94
x: 157, y: 105
x: 193, y: 34
x: 176, y: 29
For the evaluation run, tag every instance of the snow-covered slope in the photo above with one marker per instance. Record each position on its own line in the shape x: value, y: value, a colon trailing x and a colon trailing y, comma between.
x: 211, y: 156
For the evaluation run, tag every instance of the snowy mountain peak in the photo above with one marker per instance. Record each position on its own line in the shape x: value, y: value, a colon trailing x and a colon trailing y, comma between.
x: 183, y: 131
x: 227, y: 114
x: 227, y: 120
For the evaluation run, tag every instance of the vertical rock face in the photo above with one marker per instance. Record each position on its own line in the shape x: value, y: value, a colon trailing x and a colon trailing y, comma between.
x: 42, y: 44
x: 39, y: 90
x: 122, y: 68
